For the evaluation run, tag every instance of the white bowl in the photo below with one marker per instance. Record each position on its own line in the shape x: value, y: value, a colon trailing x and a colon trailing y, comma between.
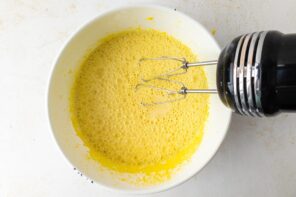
x: 168, y: 20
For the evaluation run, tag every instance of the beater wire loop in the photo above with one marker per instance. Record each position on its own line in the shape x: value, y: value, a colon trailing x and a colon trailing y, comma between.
x: 182, y: 90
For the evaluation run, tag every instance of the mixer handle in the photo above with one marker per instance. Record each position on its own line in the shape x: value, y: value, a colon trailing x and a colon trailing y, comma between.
x: 256, y: 73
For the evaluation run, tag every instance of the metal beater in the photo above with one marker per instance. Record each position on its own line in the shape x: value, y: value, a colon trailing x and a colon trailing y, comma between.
x: 256, y: 74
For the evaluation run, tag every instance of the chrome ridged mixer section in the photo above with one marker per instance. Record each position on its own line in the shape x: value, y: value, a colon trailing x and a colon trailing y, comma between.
x: 247, y: 74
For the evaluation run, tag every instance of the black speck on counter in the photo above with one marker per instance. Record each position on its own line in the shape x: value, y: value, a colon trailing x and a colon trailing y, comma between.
x: 74, y: 168
x: 92, y: 181
x: 175, y: 9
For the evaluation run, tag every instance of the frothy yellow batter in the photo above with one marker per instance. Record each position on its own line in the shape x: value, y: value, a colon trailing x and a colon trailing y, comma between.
x: 122, y: 134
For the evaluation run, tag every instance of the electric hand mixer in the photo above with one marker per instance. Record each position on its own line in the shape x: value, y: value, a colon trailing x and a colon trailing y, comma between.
x: 256, y: 74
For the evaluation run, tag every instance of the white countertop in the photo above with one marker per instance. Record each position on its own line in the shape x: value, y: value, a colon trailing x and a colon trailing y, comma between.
x: 258, y: 157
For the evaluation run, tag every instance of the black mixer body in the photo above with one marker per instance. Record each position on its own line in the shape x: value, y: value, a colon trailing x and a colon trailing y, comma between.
x: 256, y: 73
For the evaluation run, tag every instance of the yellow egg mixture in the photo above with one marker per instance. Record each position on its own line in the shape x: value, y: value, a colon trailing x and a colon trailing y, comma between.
x: 121, y: 133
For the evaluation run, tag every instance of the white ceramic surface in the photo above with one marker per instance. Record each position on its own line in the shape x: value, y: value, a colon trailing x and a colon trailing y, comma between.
x: 173, y: 22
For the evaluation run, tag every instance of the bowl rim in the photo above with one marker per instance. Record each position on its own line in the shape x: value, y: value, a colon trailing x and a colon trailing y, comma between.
x: 149, y: 190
